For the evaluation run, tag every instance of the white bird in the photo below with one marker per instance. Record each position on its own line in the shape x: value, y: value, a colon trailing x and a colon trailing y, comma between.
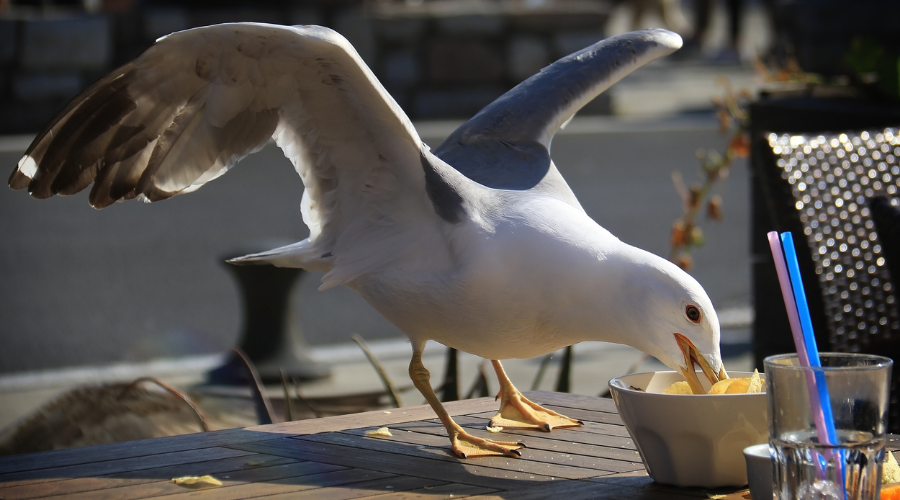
x: 480, y: 246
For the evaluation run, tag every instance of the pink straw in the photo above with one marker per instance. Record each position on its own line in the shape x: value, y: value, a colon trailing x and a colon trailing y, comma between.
x: 784, y: 280
x: 787, y: 291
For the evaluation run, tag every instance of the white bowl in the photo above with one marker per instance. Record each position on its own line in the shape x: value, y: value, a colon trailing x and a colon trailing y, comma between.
x: 690, y: 440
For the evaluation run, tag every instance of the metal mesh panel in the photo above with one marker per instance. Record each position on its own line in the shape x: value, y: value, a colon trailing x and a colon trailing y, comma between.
x: 832, y: 177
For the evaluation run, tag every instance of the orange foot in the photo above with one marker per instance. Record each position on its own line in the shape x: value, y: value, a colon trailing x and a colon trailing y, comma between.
x: 465, y: 445
x: 517, y: 411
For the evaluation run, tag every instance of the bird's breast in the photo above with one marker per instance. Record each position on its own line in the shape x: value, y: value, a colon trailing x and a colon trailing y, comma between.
x: 517, y: 292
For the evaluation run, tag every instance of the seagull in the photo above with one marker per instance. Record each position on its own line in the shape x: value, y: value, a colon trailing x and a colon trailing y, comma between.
x: 479, y: 245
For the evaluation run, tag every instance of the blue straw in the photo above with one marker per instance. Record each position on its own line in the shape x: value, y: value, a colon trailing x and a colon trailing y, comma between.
x: 809, y: 338
x: 812, y: 351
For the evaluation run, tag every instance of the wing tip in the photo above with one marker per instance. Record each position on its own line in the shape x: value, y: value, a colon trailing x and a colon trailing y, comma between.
x: 666, y: 38
x: 24, y: 173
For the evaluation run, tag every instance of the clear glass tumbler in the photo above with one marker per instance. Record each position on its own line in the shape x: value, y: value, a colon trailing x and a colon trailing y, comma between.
x: 810, y: 461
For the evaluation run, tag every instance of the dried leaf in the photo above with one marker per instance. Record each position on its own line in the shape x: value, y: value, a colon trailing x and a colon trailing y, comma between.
x: 381, y: 432
x: 696, y: 236
x: 494, y: 429
x: 679, y: 235
x: 684, y: 261
x: 740, y: 145
x: 714, y: 208
x: 694, y: 197
x: 197, y: 481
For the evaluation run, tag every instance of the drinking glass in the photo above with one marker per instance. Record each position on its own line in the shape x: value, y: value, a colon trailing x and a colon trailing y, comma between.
x: 808, y: 463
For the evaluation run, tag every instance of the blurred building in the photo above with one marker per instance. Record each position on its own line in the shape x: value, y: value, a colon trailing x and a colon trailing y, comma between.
x: 439, y: 59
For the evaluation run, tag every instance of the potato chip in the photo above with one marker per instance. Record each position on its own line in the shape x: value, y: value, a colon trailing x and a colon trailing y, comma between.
x: 381, y: 432
x: 197, y: 481
x: 747, y: 385
x: 890, y: 472
x: 679, y: 388
x: 757, y: 384
x: 721, y: 387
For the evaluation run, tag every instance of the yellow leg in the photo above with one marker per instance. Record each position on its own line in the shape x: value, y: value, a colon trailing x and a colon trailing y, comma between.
x: 516, y: 411
x: 464, y: 445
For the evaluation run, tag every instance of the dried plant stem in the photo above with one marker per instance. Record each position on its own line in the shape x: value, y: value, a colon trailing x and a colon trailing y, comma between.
x: 378, y: 368
x: 287, y: 397
x: 480, y: 386
x: 201, y: 417
x: 264, y: 412
x: 539, y: 377
x: 308, y: 403
x: 686, y: 232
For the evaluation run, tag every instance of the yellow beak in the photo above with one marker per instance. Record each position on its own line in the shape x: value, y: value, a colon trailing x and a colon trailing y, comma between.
x: 693, y: 357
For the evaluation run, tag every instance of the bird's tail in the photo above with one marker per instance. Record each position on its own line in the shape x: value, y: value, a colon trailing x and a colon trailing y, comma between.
x: 296, y: 255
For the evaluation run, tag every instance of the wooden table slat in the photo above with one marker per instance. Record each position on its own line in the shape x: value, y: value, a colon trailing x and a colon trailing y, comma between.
x: 41, y: 489
x: 462, y: 471
x: 478, y: 425
x: 438, y: 448
x: 365, y: 489
x: 591, y: 433
x: 575, y: 401
x: 571, y: 490
x: 446, y: 491
x: 112, y: 466
x: 581, y: 435
x: 374, y: 418
x: 642, y: 486
x: 287, y: 485
x: 128, y: 449
x: 576, y: 413
x: 585, y: 415
x: 163, y: 486
x: 562, y: 444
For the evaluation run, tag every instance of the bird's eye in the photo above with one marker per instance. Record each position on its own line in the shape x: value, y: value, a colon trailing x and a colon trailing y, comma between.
x: 692, y: 313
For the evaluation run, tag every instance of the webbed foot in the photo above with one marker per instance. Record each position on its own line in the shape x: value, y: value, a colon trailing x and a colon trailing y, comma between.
x: 517, y: 411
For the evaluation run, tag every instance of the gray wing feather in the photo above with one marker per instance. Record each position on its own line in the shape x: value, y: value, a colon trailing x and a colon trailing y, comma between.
x: 507, y: 144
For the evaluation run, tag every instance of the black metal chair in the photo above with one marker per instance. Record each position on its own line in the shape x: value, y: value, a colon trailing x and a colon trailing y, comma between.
x: 829, y: 172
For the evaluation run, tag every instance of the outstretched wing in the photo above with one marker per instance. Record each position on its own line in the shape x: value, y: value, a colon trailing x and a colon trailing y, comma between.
x: 198, y: 101
x: 507, y: 144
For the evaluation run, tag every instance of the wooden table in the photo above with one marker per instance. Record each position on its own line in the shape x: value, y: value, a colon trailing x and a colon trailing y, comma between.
x: 332, y: 458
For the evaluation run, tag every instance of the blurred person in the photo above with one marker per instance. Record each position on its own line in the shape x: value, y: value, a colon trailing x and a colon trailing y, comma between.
x: 669, y: 10
x: 702, y: 15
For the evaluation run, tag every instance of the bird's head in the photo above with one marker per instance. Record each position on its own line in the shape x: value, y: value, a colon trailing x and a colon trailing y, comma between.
x: 677, y: 322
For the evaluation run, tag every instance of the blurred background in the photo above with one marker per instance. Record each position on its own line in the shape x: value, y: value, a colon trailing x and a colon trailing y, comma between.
x: 136, y: 284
